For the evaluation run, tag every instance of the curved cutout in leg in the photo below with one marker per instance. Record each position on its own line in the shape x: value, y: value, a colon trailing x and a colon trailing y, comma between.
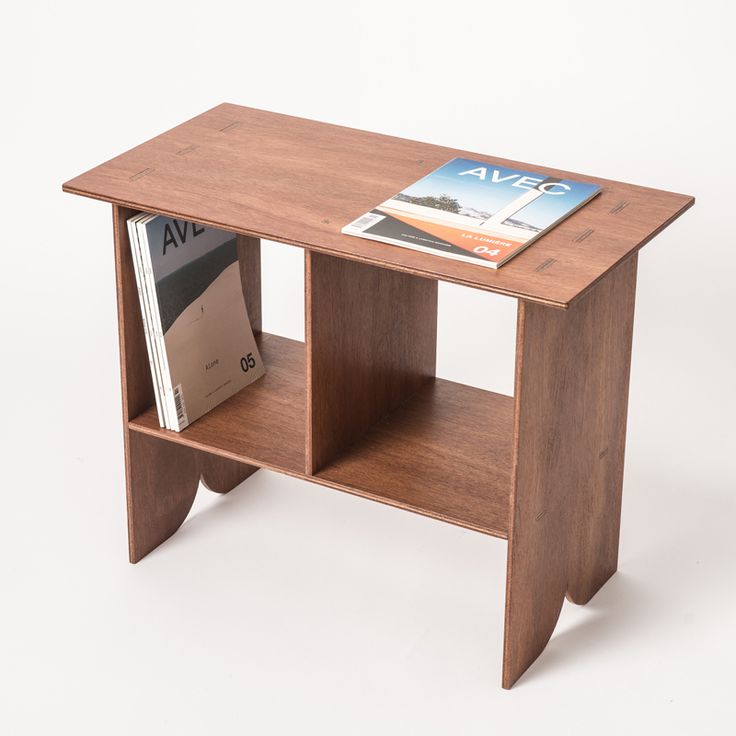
x: 572, y: 369
x: 535, y: 592
x: 220, y: 474
x: 162, y: 481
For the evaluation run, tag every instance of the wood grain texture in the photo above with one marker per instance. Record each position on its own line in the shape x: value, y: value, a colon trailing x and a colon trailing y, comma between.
x: 249, y: 258
x: 220, y: 474
x: 357, y: 408
x: 371, y: 344
x: 445, y: 453
x: 453, y: 462
x: 162, y: 481
x: 299, y: 181
x: 263, y: 425
x: 570, y: 421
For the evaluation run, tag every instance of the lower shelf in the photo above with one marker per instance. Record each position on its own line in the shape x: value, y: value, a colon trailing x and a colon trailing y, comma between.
x: 445, y: 453
x: 264, y: 424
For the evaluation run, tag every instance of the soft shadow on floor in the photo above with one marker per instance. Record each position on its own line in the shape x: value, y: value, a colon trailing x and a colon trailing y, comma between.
x: 210, y: 509
x: 621, y: 606
x: 677, y: 553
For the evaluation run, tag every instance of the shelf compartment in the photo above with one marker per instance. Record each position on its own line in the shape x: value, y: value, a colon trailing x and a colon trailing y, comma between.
x: 263, y: 424
x: 372, y: 342
x: 446, y: 453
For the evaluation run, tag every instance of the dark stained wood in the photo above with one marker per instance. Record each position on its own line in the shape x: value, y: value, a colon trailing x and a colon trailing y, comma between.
x: 220, y: 474
x: 570, y: 420
x: 249, y: 257
x: 299, y: 181
x: 162, y: 481
x: 594, y: 545
x: 357, y: 407
x: 445, y: 453
x: 371, y: 343
x: 262, y: 425
x: 163, y: 478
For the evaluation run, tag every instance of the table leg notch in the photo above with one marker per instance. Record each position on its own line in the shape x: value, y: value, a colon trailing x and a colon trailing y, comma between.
x: 220, y: 474
x: 162, y: 482
x: 572, y: 382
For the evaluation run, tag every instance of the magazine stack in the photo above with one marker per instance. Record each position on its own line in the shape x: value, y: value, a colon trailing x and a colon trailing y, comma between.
x: 201, y: 347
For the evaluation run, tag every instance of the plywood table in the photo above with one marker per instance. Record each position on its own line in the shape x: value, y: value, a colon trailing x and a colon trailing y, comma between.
x: 357, y: 406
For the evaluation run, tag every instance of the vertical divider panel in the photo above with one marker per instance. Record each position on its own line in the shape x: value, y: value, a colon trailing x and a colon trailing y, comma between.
x: 249, y: 258
x: 371, y: 338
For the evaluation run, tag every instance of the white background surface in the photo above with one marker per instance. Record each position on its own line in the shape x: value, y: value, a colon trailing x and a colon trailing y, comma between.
x: 285, y: 607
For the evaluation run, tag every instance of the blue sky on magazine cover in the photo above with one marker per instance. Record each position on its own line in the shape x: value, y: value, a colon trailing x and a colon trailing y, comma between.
x: 487, y: 196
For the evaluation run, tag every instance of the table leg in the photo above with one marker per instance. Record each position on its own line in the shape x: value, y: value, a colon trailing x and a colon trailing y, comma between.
x: 162, y: 480
x: 572, y: 382
x: 162, y: 477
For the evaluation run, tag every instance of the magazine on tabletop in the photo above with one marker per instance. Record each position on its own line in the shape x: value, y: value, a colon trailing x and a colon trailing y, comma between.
x: 473, y: 211
x: 202, y: 345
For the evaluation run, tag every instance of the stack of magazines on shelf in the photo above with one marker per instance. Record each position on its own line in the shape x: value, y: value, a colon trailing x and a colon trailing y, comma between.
x: 200, y: 343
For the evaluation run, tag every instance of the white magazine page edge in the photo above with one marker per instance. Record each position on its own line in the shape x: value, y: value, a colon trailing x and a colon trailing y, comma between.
x: 142, y: 298
x: 168, y: 389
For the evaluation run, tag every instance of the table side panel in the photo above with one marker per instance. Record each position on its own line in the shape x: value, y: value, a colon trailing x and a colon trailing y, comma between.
x: 571, y: 393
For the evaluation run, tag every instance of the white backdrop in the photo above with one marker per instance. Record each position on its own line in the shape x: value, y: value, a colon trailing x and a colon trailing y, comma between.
x: 288, y: 608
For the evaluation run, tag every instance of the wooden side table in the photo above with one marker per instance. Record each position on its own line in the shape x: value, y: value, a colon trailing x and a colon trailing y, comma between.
x: 357, y: 407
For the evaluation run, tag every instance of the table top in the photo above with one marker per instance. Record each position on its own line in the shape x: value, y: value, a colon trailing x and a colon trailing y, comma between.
x: 299, y: 182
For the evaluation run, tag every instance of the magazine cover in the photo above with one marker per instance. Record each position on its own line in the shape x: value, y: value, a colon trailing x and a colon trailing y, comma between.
x: 207, y: 346
x: 144, y: 302
x: 473, y: 211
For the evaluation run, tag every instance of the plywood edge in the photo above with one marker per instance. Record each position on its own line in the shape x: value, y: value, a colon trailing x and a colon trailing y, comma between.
x: 69, y: 188
x: 688, y: 202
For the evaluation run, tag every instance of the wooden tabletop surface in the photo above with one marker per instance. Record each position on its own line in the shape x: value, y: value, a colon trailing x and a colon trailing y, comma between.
x: 299, y: 181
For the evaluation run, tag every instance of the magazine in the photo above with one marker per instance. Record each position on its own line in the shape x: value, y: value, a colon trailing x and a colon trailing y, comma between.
x: 144, y: 301
x: 473, y: 211
x: 202, y: 341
